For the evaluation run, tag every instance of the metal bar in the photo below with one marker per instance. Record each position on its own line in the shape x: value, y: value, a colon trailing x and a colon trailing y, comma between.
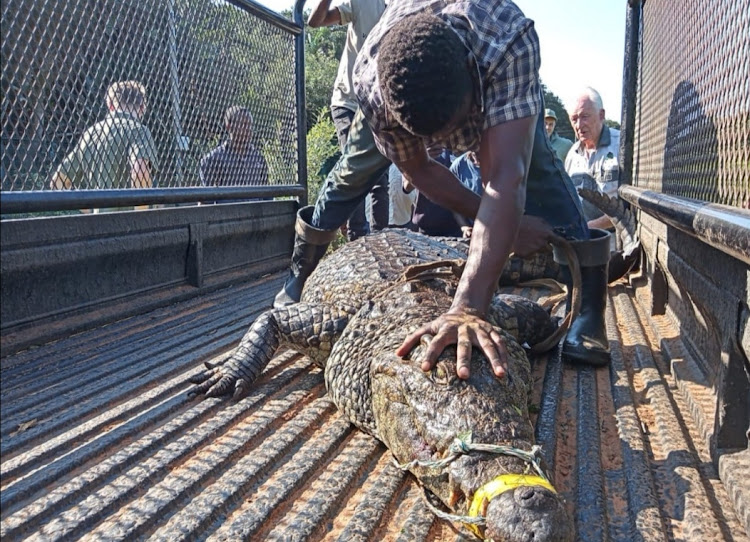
x: 629, y: 91
x: 722, y: 227
x: 269, y: 16
x: 38, y: 201
x: 299, y: 67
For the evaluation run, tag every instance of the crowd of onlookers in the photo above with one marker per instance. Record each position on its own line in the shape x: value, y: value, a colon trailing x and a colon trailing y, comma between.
x: 417, y: 82
x: 119, y: 151
x: 591, y: 162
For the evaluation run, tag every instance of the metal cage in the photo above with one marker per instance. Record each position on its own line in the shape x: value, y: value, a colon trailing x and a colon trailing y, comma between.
x: 111, y: 102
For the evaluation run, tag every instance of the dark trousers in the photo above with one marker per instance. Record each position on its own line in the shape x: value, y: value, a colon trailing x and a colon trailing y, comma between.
x: 549, y: 191
x: 357, y: 225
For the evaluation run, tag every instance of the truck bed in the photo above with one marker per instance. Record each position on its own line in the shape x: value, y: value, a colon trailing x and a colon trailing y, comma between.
x: 100, y: 441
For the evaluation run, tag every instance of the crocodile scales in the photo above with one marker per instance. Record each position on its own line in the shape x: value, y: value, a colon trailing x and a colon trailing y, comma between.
x: 355, y: 311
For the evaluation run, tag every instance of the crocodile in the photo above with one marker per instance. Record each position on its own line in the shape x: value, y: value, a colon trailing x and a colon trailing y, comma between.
x: 464, y: 440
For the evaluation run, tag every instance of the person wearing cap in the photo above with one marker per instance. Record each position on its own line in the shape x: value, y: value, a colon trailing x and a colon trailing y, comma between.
x: 560, y: 145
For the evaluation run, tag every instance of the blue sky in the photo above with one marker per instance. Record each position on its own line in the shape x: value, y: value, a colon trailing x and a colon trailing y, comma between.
x: 582, y: 41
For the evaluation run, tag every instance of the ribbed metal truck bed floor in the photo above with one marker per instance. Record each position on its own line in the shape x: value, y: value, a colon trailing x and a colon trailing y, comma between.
x: 99, y: 440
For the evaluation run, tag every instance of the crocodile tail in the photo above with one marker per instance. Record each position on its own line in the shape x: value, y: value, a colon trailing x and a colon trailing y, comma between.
x: 621, y: 215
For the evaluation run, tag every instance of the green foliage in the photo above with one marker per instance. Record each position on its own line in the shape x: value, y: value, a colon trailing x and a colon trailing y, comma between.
x: 321, y: 146
x: 323, y: 48
x: 563, y: 126
x: 612, y: 124
x: 328, y: 40
x: 281, y: 156
x: 320, y: 73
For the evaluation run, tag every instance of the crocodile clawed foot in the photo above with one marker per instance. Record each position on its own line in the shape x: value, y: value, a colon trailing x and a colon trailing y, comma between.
x: 240, y: 389
x: 218, y: 385
x: 205, y: 382
x: 201, y: 377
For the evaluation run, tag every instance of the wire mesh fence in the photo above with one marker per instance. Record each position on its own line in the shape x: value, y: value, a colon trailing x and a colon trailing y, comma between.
x: 692, y: 135
x: 107, y: 94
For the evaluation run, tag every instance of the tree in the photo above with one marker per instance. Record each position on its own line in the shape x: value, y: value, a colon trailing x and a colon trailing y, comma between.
x: 563, y: 127
x: 612, y: 124
x: 323, y: 48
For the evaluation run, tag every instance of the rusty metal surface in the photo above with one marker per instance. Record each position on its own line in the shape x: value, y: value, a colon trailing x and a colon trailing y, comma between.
x: 100, y: 441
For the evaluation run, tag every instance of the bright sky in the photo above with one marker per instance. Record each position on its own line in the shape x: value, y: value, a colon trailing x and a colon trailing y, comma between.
x: 583, y: 44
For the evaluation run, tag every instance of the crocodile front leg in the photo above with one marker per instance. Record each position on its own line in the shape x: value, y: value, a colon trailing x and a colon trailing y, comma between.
x: 310, y: 329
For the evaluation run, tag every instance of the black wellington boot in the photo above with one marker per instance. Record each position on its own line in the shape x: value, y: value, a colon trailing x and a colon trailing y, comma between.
x: 310, y: 245
x: 586, y: 341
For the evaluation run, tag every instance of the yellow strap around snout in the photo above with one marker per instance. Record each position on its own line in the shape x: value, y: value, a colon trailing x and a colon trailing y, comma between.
x: 501, y: 484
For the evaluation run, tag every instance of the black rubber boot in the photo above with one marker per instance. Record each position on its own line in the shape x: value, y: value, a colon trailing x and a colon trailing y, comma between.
x: 620, y: 265
x: 310, y: 245
x: 586, y: 341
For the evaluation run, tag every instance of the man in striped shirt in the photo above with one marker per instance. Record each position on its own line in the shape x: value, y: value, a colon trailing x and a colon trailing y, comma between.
x: 462, y: 75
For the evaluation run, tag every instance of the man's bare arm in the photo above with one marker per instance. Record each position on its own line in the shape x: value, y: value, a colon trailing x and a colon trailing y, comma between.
x: 602, y: 222
x: 60, y: 181
x: 504, y: 158
x: 140, y: 173
x: 323, y: 15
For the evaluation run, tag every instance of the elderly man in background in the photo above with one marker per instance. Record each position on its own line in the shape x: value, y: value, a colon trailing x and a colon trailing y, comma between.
x: 560, y: 145
x: 592, y: 162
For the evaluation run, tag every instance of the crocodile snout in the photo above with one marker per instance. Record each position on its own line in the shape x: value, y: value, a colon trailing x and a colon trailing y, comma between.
x: 528, y: 514
x: 534, y: 497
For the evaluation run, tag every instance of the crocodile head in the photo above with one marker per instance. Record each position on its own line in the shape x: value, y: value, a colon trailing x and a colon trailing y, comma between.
x: 420, y: 414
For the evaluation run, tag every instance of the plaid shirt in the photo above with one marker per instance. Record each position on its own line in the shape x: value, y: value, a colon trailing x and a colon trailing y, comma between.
x: 503, y: 48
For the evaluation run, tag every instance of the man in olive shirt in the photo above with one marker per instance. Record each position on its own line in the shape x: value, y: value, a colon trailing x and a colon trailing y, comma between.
x: 560, y: 145
x: 116, y: 152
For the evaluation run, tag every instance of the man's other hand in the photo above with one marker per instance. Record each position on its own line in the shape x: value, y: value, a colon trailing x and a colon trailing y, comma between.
x: 534, y: 235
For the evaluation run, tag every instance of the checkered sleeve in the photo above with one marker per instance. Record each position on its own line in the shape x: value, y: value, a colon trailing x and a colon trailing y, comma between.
x: 513, y: 90
x: 395, y: 143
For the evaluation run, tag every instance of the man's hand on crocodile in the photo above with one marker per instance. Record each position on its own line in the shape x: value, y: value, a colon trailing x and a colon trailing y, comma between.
x: 534, y: 234
x: 463, y: 329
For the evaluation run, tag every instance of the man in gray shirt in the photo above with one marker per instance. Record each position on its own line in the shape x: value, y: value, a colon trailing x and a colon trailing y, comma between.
x: 236, y: 162
x: 592, y: 162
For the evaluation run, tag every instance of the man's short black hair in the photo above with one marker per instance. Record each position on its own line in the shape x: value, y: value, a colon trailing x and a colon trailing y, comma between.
x: 423, y: 73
